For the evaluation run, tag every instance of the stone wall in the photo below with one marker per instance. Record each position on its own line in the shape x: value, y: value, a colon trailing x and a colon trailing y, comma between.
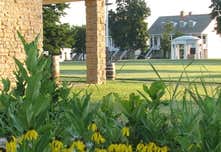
x: 24, y: 16
x: 95, y: 41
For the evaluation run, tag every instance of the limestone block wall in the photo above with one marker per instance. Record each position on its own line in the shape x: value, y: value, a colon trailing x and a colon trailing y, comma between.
x: 95, y: 41
x: 17, y: 15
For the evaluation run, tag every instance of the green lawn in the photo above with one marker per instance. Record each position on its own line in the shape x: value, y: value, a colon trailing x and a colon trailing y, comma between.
x: 132, y: 74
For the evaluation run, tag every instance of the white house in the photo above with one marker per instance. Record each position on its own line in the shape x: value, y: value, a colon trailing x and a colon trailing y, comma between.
x: 187, y: 47
x: 66, y: 55
x: 200, y: 40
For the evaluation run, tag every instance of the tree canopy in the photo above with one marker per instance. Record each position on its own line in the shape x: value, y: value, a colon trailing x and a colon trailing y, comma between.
x: 168, y: 34
x: 216, y: 12
x: 128, y: 27
x: 79, y: 44
x: 55, y: 34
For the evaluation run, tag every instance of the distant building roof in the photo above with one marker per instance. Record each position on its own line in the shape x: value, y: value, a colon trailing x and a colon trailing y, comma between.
x: 189, y: 24
x: 185, y: 39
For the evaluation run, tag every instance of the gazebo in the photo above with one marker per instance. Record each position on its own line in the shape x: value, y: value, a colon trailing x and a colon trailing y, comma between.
x: 186, y: 47
x: 25, y: 16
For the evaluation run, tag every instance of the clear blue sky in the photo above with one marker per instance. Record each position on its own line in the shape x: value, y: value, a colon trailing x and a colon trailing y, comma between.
x: 76, y: 14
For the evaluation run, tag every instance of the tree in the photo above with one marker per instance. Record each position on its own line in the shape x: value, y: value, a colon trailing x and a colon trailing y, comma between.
x: 79, y: 44
x: 127, y: 24
x: 166, y: 39
x: 55, y: 34
x: 168, y: 34
x: 216, y: 11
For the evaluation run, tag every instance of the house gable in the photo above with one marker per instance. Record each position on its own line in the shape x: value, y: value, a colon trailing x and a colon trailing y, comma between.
x: 213, y: 40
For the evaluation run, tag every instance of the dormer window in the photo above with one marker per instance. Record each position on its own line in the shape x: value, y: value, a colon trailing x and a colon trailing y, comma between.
x: 163, y: 24
x: 191, y: 23
x: 182, y: 24
x: 173, y: 23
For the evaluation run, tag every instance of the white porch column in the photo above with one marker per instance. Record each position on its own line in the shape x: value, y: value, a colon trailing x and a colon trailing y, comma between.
x: 172, y: 51
x: 185, y: 51
x: 158, y: 42
x: 171, y: 45
x: 153, y: 45
x: 177, y: 51
x: 197, y: 51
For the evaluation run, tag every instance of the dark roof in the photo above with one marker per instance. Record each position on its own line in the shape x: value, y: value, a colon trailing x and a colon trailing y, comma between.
x: 201, y: 22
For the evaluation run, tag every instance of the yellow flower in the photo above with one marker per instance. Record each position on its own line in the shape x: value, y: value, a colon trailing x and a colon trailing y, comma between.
x: 92, y: 127
x: 20, y: 139
x: 97, y: 138
x: 120, y: 148
x: 79, y: 146
x: 152, y: 146
x: 30, y: 135
x: 11, y: 145
x: 164, y: 149
x: 56, y: 146
x: 125, y: 131
x: 140, y: 146
x: 68, y: 150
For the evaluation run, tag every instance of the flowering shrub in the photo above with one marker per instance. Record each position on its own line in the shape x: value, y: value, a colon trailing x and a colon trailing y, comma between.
x: 39, y: 116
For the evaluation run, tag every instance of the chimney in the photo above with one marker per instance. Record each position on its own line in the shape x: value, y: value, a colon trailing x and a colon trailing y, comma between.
x: 181, y: 14
x: 190, y: 13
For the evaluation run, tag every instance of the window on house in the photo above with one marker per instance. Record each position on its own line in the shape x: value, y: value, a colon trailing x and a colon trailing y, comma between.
x: 181, y: 51
x: 151, y: 42
x: 155, y: 41
x: 173, y: 23
x: 192, y: 51
x: 163, y: 24
x: 191, y: 23
x: 182, y: 24
x: 204, y: 39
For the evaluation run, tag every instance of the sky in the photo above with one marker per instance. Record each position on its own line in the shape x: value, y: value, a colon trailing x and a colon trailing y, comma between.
x: 76, y: 13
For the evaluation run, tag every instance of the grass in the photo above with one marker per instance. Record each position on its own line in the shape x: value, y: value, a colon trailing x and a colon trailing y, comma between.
x: 131, y: 74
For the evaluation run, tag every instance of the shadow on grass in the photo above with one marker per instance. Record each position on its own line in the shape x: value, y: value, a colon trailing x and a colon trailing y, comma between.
x: 164, y: 71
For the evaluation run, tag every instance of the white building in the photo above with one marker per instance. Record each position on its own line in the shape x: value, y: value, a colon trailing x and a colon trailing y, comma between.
x: 187, y: 47
x: 66, y: 54
x: 202, y: 26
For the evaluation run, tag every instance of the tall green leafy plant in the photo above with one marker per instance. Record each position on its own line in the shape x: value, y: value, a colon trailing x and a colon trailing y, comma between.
x: 209, y: 120
x: 27, y: 105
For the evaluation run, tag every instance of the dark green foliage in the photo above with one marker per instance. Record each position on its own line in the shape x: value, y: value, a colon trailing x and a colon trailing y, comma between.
x: 79, y: 39
x: 168, y: 34
x: 215, y: 14
x: 79, y: 113
x: 25, y: 107
x: 166, y: 40
x: 127, y: 24
x: 56, y: 34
